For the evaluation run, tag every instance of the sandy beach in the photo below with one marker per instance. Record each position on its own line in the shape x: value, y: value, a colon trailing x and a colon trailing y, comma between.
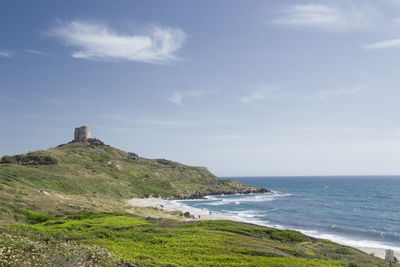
x: 173, y: 205
x: 378, y: 252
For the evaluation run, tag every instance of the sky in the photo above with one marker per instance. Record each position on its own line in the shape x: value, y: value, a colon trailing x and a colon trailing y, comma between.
x: 245, y: 88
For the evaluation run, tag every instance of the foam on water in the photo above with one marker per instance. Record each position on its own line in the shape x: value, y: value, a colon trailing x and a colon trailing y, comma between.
x: 219, y: 200
x: 355, y: 211
x: 348, y: 241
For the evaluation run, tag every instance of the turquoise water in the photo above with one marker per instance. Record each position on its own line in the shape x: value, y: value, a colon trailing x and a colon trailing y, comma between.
x: 357, y: 211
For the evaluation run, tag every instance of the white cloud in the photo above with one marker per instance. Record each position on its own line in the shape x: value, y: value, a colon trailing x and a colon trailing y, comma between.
x: 165, y: 122
x: 5, y: 54
x: 262, y: 94
x: 176, y: 98
x: 384, y: 44
x: 328, y: 17
x: 397, y: 21
x: 394, y: 2
x: 53, y: 101
x: 96, y: 41
x: 18, y: 52
x: 326, y: 95
x: 216, y: 138
x: 35, y: 52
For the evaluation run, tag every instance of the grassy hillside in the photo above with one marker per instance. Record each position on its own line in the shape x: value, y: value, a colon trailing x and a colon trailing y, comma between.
x: 66, y: 206
x: 91, y: 175
x: 91, y: 167
x: 104, y: 239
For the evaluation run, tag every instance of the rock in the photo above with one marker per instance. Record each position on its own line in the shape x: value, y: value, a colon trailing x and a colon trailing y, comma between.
x: 95, y: 142
x: 133, y: 156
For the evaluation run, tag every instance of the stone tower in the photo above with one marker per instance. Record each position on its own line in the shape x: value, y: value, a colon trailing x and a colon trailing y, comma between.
x: 81, y: 134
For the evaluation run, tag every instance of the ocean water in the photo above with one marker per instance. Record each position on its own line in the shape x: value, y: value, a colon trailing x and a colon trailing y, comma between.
x: 356, y: 211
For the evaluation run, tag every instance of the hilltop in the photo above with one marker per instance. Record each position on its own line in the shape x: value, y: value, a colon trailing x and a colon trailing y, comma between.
x: 92, y: 169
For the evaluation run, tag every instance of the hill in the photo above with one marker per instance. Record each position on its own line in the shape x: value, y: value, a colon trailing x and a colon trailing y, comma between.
x: 66, y: 206
x: 87, y: 170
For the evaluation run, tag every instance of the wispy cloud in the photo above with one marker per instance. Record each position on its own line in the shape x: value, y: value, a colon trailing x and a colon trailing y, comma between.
x: 35, y: 52
x: 5, y: 54
x: 394, y: 2
x: 178, y: 97
x: 97, y: 41
x: 263, y: 94
x: 397, y: 21
x: 216, y: 138
x: 53, y: 101
x: 327, y: 95
x: 19, y: 52
x: 167, y: 123
x: 384, y: 44
x: 327, y: 17
x: 335, y: 129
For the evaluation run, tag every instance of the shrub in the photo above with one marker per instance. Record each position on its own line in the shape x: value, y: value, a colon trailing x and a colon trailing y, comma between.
x: 8, y: 159
x: 33, y: 158
x: 33, y: 217
x: 343, y: 251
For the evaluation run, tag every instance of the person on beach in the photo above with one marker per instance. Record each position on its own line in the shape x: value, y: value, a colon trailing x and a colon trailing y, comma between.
x: 209, y: 212
x: 199, y: 216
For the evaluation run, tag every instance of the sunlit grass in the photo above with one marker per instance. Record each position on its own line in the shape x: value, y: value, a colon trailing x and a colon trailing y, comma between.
x: 128, y: 239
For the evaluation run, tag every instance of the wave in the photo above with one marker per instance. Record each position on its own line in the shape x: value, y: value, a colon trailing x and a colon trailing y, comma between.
x: 255, y: 217
x: 218, y: 201
x: 362, y: 243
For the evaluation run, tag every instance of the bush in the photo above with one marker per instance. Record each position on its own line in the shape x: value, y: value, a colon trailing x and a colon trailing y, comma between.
x: 30, y: 158
x: 33, y: 217
x: 8, y: 159
x: 287, y: 235
x: 343, y: 251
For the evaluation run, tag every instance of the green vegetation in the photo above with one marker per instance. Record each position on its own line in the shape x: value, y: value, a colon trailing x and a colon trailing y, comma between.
x: 66, y: 206
x: 84, y: 168
x: 30, y: 158
x: 122, y: 238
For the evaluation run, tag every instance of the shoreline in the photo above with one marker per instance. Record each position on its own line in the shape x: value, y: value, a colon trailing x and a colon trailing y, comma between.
x: 203, y: 214
x: 171, y: 205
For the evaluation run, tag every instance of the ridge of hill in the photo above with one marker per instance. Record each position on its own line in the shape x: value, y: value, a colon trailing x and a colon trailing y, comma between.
x: 91, y: 166
x: 78, y: 173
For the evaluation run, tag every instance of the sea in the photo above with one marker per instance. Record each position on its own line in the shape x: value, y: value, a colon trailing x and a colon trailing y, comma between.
x: 359, y: 211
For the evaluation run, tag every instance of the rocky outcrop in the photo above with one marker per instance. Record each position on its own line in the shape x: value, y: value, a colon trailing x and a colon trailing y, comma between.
x: 133, y: 156
x: 96, y: 142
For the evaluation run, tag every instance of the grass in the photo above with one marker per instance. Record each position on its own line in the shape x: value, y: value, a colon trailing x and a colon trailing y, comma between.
x: 65, y: 206
x: 122, y: 238
x: 83, y: 168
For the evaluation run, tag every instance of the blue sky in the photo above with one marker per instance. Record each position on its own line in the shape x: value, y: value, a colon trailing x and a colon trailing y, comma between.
x: 242, y: 87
